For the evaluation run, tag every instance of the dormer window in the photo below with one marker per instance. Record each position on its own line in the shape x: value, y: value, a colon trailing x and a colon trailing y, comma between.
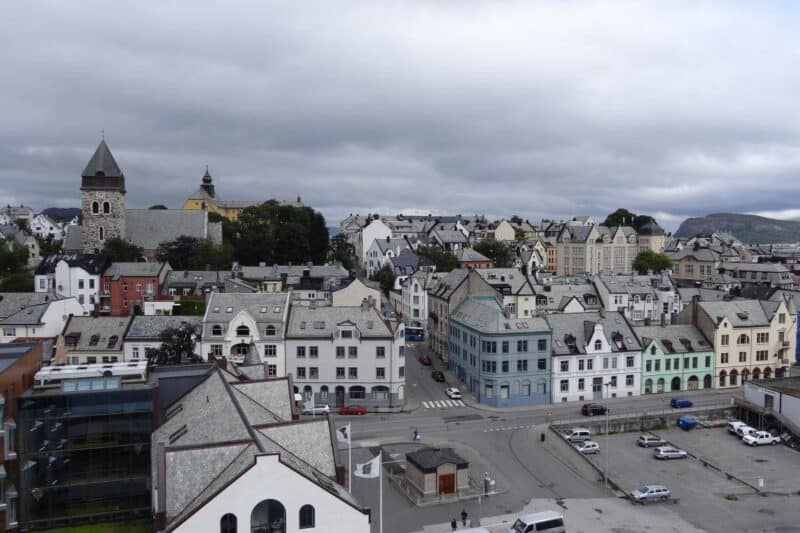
x: 242, y: 331
x: 347, y: 334
x: 270, y: 330
x: 598, y: 345
x: 216, y: 330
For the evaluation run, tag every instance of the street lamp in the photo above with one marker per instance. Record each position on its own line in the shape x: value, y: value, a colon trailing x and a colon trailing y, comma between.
x: 605, y: 471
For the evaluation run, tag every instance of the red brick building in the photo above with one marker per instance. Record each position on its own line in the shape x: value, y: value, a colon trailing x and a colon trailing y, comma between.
x: 469, y: 258
x: 126, y: 286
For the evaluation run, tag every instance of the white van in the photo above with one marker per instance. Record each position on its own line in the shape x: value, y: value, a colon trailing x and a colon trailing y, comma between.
x: 474, y: 530
x: 547, y: 521
x: 576, y: 435
x: 734, y: 425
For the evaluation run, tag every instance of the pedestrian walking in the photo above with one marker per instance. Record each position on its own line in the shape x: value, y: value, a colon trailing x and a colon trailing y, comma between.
x: 453, y: 524
x: 464, y: 517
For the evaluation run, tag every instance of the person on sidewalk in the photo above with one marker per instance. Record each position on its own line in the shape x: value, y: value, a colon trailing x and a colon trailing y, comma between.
x: 453, y: 524
x: 464, y: 517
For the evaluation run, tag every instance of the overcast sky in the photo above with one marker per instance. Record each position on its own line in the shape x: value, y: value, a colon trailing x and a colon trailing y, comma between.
x: 540, y: 109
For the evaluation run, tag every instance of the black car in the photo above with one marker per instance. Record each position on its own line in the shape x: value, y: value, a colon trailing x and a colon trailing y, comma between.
x: 593, y: 409
x: 437, y: 376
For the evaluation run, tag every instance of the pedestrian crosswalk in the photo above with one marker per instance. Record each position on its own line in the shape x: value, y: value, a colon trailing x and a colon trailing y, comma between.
x: 442, y: 404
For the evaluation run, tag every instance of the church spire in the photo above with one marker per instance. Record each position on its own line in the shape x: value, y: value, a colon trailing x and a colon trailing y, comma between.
x: 208, y: 184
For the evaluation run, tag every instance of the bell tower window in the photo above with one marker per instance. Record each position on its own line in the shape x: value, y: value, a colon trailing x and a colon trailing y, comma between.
x: 95, y: 208
x: 101, y: 233
x: 106, y: 208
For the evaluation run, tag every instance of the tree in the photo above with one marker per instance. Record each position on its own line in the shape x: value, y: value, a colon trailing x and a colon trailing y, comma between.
x: 13, y: 258
x: 280, y: 233
x: 17, y: 282
x: 623, y: 217
x: 384, y: 276
x: 206, y: 255
x: 515, y: 219
x: 48, y: 246
x: 177, y: 346
x: 650, y: 261
x: 445, y: 261
x: 157, y: 206
x: 120, y: 251
x: 228, y: 227
x: 342, y: 251
x: 497, y: 251
x: 178, y: 252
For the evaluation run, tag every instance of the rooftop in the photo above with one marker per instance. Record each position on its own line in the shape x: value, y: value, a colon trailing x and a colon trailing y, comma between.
x: 141, y: 269
x: 314, y: 322
x: 150, y: 327
x: 96, y: 334
x: 485, y: 314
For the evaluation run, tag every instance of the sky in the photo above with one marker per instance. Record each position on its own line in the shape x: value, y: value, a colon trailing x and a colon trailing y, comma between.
x: 540, y: 109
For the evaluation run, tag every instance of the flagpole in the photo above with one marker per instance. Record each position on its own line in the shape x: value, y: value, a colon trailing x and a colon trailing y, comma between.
x: 380, y: 487
x: 350, y: 462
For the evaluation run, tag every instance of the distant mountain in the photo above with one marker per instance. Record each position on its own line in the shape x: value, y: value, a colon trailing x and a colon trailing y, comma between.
x: 62, y: 213
x: 750, y: 229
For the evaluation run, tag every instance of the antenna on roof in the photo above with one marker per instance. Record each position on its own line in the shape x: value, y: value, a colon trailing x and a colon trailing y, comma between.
x: 102, y: 134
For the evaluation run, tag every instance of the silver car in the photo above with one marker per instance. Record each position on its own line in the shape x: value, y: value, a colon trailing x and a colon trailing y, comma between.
x: 669, y: 452
x: 651, y: 493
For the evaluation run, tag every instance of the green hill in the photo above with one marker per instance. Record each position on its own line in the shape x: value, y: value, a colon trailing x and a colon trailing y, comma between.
x: 750, y: 229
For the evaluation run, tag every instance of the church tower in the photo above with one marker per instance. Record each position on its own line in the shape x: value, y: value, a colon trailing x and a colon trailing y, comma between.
x: 102, y: 200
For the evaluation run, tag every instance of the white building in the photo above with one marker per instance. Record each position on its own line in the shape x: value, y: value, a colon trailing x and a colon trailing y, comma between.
x: 231, y: 456
x: 91, y: 340
x: 414, y: 291
x: 381, y: 251
x: 355, y: 293
x: 595, y: 356
x: 375, y: 230
x: 42, y: 320
x: 144, y: 333
x: 652, y: 298
x: 75, y: 275
x: 247, y: 327
x: 346, y: 355
x: 45, y: 227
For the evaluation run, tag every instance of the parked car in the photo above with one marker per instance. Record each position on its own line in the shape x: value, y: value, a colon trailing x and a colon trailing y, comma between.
x: 437, y: 375
x: 686, y: 423
x: 744, y: 430
x: 317, y: 410
x: 576, y: 435
x: 424, y: 360
x: 733, y: 426
x: 669, y: 452
x: 543, y: 522
x: 592, y: 409
x: 680, y: 403
x: 353, y: 410
x: 760, y: 438
x: 588, y: 447
x: 453, y: 393
x: 651, y: 493
x: 649, y: 441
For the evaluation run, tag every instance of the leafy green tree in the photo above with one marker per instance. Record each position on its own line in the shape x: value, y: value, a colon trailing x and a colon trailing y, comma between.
x: 17, y: 282
x: 515, y: 219
x: 385, y: 277
x: 650, y: 261
x: 13, y: 258
x: 206, y: 255
x: 48, y: 246
x: 228, y: 227
x: 278, y: 233
x: 624, y: 217
x: 120, y: 250
x: 445, y: 261
x: 497, y: 251
x: 177, y: 346
x: 157, y: 206
x: 178, y: 252
x: 342, y: 251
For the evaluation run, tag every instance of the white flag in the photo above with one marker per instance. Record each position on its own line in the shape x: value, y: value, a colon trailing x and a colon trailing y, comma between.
x: 370, y: 469
x: 343, y: 434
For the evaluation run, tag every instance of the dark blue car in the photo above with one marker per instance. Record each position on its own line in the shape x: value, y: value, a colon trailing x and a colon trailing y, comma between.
x: 680, y: 403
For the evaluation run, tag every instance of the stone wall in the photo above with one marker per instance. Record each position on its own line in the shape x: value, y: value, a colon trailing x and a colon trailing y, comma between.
x: 113, y: 223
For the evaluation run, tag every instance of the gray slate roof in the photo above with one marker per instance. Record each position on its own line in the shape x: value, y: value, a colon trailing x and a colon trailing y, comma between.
x: 150, y: 327
x: 117, y: 270
x: 557, y: 296
x: 73, y: 239
x: 581, y: 327
x: 274, y: 272
x: 449, y: 283
x: 511, y: 277
x: 743, y: 313
x: 102, y: 161
x: 469, y: 254
x: 315, y: 322
x: 429, y: 459
x: 264, y: 308
x: 87, y: 328
x: 676, y: 338
x: 150, y: 227
x: 29, y: 316
x: 485, y: 314
x: 12, y: 302
x: 706, y: 295
x: 95, y: 264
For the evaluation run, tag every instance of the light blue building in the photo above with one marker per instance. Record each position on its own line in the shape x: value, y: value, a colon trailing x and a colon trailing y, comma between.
x: 502, y: 361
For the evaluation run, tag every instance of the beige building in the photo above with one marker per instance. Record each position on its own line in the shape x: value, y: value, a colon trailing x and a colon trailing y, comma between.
x: 695, y: 265
x: 595, y: 249
x: 753, y: 339
x: 354, y: 294
x: 437, y: 471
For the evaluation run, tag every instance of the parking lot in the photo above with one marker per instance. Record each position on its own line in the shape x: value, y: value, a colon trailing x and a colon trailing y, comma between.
x: 706, y: 497
x: 778, y: 466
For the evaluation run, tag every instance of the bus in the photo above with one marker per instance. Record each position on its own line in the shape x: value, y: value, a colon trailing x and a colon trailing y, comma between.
x: 415, y: 333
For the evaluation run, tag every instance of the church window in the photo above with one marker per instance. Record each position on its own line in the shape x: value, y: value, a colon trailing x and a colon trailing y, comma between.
x: 106, y: 208
x: 101, y: 233
x: 95, y: 208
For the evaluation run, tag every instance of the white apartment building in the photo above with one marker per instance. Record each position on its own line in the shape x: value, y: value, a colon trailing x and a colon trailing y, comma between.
x: 43, y: 320
x: 247, y: 328
x: 595, y: 356
x: 414, y: 297
x: 653, y: 298
x: 381, y: 251
x: 45, y: 227
x: 375, y: 230
x: 346, y: 355
x: 71, y: 275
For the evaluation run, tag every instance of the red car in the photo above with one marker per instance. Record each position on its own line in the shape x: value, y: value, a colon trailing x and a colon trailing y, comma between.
x: 425, y: 360
x: 353, y: 410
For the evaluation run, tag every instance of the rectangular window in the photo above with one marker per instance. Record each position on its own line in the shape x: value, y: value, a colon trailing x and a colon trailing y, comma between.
x: 490, y: 391
x: 605, y: 363
x: 313, y: 372
x: 216, y: 350
x: 629, y: 361
x: 542, y: 345
x: 580, y: 364
x: 685, y: 363
x: 270, y: 350
x: 272, y: 370
x: 541, y: 364
x: 761, y: 355
x: 352, y: 372
x: 522, y: 346
x: 564, y: 365
x: 125, y: 287
x: 724, y: 340
x: 91, y: 283
x: 525, y: 389
x: 504, y: 392
x: 301, y: 372
x: 629, y: 380
x: 522, y: 365
x: 80, y: 283
x: 301, y: 351
x: 613, y: 381
x: 581, y: 384
x: 708, y: 361
x: 339, y: 372
x: 658, y: 365
x: 564, y: 385
x: 401, y: 371
x: 723, y: 357
x: 347, y: 334
x: 589, y: 364
x: 762, y: 338
x: 352, y: 352
x: 340, y: 352
x: 613, y: 362
x: 742, y: 357
x: 668, y: 364
x: 504, y: 346
x: 380, y: 372
x: 380, y: 352
x: 504, y: 367
x: 781, y: 318
x: 313, y: 351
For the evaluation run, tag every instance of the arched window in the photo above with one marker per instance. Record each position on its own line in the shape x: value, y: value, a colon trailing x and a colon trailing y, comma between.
x: 269, y: 516
x: 745, y: 375
x: 756, y: 373
x: 242, y: 331
x: 270, y: 330
x: 723, y: 376
x: 323, y: 393
x: 308, y: 393
x: 652, y: 350
x: 380, y: 393
x: 734, y: 378
x: 660, y: 385
x: 357, y: 392
x: 101, y: 233
x: 216, y: 329
x: 227, y: 524
x: 767, y: 373
x: 743, y: 339
x: 648, y: 386
x: 95, y: 208
x: 106, y: 208
x: 307, y: 517
x: 598, y: 345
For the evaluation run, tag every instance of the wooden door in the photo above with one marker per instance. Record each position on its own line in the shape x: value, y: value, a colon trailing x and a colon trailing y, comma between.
x: 447, y: 483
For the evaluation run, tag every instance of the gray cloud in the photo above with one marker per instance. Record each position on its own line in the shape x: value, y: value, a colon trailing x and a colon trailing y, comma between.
x: 539, y: 109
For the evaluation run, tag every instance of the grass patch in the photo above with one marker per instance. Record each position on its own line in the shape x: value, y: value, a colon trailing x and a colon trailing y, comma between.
x: 109, y: 527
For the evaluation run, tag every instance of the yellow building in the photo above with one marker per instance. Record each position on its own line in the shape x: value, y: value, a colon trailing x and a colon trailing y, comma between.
x: 205, y: 198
